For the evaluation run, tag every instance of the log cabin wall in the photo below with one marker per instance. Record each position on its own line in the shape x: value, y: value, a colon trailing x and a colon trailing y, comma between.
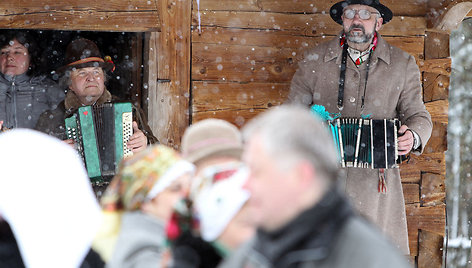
x: 233, y: 59
x: 244, y: 54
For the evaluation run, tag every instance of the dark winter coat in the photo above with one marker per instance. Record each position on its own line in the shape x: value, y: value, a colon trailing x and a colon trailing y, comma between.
x: 393, y: 91
x: 328, y: 235
x: 52, y: 121
x: 24, y: 98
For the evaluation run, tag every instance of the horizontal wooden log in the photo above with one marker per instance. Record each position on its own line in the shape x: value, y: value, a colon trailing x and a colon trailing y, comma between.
x: 234, y: 102
x: 436, y: 66
x: 430, y: 249
x: 435, y: 86
x: 399, y: 8
x: 438, y: 140
x: 438, y: 110
x: 304, y: 24
x: 87, y: 20
x: 258, y: 63
x: 410, y: 176
x: 243, y: 63
x: 433, y: 189
x: 433, y: 162
x: 411, y: 193
x: 34, y: 6
x: 284, y: 39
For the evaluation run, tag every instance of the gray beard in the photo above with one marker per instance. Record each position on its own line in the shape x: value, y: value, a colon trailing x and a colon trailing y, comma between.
x: 359, y: 38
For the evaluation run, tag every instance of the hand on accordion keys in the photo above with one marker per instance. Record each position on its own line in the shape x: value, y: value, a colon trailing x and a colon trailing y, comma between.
x: 405, y: 140
x: 138, y: 141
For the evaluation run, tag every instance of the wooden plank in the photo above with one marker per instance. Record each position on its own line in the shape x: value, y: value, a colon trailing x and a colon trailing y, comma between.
x: 432, y: 219
x: 403, y: 8
x: 430, y: 249
x: 433, y: 190
x: 84, y: 20
x: 10, y: 7
x: 438, y: 110
x: 284, y: 39
x: 435, y: 86
x: 150, y: 91
x: 174, y: 71
x: 411, y: 193
x: 432, y: 162
x: 247, y: 63
x: 234, y: 102
x: 243, y: 63
x: 438, y: 141
x: 436, y: 45
x: 436, y: 66
x: 410, y: 176
x: 304, y: 24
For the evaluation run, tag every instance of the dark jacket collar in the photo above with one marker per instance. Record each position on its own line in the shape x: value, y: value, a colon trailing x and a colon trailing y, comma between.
x: 310, y: 236
x: 334, y: 50
x: 72, y: 103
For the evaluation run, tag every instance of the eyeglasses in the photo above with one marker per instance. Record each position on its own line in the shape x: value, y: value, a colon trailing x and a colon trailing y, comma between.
x: 364, y: 14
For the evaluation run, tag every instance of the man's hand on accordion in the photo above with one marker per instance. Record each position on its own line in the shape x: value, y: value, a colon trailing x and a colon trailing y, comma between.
x: 138, y: 141
x: 405, y: 140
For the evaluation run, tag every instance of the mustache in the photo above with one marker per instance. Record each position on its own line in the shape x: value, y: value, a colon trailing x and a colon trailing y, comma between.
x: 358, y: 26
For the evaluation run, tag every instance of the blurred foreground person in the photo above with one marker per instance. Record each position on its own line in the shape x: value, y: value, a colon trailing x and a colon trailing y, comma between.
x: 46, y: 198
x: 137, y: 205
x: 303, y: 220
x: 215, y: 147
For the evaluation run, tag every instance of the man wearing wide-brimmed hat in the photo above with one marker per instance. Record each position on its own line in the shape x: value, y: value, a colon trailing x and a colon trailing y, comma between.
x: 84, y: 73
x: 358, y: 74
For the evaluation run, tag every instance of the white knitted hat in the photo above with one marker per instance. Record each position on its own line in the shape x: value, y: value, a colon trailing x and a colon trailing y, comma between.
x: 217, y: 204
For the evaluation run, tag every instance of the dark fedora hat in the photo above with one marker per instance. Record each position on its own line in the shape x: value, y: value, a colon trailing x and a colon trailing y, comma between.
x: 336, y: 10
x: 81, y: 53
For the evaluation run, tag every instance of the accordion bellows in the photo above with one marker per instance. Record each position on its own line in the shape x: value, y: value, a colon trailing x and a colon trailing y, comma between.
x: 100, y: 133
x: 366, y: 143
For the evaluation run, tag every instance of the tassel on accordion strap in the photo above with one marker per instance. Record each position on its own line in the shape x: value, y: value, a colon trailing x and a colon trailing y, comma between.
x: 382, y: 188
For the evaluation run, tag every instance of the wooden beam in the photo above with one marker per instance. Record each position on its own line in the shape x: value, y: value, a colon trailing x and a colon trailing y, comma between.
x: 431, y: 162
x: 150, y: 91
x: 173, y: 90
x: 433, y: 189
x: 438, y: 110
x: 302, y: 24
x: 399, y: 8
x: 235, y: 102
x: 435, y: 86
x: 436, y: 45
x: 130, y: 16
x: 430, y: 249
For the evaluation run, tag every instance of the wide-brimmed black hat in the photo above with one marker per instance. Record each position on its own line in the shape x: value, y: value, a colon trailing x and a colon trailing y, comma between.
x: 336, y: 10
x: 82, y: 53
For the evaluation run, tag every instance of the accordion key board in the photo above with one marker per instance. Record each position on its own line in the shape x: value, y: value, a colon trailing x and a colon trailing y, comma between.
x: 101, y: 133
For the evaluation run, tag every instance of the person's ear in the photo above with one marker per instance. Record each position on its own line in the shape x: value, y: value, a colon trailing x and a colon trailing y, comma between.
x: 378, y: 24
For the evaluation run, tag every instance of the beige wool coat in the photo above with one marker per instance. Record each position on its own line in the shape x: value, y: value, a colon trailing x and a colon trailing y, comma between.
x: 393, y: 91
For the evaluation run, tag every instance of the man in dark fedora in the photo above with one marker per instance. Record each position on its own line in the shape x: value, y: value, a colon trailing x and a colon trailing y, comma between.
x: 84, y: 73
x: 358, y: 74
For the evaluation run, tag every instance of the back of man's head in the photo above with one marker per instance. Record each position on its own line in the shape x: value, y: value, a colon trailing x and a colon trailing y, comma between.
x: 290, y: 131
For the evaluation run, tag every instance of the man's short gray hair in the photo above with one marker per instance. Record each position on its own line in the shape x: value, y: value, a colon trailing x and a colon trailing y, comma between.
x: 293, y: 131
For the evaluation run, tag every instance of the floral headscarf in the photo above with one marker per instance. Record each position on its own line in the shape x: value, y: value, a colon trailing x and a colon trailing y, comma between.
x: 142, y: 176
